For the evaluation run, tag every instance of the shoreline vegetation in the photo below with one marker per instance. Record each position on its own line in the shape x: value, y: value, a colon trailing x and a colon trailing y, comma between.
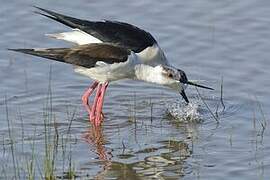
x: 39, y: 162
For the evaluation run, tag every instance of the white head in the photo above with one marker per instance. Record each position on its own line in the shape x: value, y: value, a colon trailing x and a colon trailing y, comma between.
x: 177, y: 80
x: 167, y: 76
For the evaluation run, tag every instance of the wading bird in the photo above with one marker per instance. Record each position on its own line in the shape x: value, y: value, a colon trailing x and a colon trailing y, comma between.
x: 107, y: 51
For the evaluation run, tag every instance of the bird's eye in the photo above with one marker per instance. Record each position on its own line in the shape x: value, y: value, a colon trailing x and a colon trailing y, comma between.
x: 170, y: 75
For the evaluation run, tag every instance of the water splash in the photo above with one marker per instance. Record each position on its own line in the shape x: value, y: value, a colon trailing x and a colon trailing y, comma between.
x: 185, y: 113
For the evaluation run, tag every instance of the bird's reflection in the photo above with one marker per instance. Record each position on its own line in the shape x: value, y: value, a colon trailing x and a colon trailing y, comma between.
x: 95, y: 138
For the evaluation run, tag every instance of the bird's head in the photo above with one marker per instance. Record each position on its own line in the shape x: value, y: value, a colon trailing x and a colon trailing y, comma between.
x: 177, y: 80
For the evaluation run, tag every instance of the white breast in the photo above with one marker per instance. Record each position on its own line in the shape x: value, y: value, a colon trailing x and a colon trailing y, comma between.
x: 111, y: 72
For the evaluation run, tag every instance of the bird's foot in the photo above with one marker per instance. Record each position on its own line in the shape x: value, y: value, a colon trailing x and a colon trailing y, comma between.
x: 89, y: 110
x: 94, y: 119
x: 98, y: 120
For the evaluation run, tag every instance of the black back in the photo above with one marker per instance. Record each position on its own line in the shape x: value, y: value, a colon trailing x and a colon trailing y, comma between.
x: 119, y: 33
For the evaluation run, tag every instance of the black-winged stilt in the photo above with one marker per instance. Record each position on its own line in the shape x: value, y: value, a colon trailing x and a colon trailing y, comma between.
x: 108, y: 51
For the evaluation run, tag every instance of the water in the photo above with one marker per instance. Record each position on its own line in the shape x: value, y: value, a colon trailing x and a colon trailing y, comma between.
x: 143, y: 134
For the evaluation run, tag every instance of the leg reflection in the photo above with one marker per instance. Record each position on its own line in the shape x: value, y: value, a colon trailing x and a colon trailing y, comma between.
x: 94, y: 137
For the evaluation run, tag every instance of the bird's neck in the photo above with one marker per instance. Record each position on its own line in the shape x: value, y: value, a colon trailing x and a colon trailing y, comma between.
x: 149, y: 74
x: 153, y: 56
x: 154, y: 75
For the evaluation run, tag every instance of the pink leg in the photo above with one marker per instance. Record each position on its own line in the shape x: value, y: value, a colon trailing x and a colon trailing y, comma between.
x: 86, y: 95
x: 93, y: 109
x: 100, y: 104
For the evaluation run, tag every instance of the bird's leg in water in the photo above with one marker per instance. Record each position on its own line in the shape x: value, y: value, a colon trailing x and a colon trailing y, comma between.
x: 85, y: 97
x: 98, y: 117
x: 95, y: 112
x: 93, y: 109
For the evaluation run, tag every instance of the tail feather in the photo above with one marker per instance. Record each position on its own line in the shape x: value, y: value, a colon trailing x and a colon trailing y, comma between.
x: 57, y: 54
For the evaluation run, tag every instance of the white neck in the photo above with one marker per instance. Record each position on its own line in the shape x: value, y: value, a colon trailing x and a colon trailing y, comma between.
x: 154, y: 75
x: 151, y: 74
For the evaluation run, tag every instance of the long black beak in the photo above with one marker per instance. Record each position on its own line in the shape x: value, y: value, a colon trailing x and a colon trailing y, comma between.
x: 197, y: 85
x: 183, y: 94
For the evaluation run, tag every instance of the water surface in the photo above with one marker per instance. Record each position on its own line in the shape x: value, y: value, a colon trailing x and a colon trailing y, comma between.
x: 209, y: 40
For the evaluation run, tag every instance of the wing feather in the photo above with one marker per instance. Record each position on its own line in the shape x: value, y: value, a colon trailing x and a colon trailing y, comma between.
x: 119, y: 33
x: 83, y: 55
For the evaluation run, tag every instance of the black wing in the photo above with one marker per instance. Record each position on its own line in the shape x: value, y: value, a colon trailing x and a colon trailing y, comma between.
x: 119, y: 33
x: 84, y: 55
